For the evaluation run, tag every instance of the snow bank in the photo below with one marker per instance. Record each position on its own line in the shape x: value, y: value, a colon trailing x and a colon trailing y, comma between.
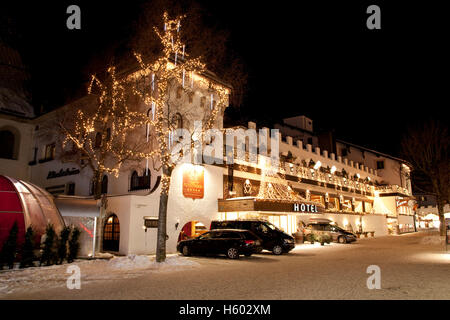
x: 132, y: 266
x: 133, y: 261
x: 434, y: 239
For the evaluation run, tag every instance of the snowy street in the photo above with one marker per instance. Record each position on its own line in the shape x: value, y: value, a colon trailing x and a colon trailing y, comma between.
x: 413, y: 266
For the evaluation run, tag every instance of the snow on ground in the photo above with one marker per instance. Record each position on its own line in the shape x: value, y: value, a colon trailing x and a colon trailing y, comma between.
x: 41, y: 278
x: 143, y: 262
x: 433, y: 239
x: 409, y: 270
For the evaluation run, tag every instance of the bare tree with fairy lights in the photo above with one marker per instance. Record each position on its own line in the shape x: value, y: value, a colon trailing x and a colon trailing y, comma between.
x: 105, y: 133
x: 167, y: 85
x: 426, y: 148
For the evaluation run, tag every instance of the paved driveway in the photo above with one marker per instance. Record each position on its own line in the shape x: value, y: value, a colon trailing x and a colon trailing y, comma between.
x: 410, y: 269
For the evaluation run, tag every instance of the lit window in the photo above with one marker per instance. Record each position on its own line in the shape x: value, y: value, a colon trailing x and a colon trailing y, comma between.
x: 50, y: 151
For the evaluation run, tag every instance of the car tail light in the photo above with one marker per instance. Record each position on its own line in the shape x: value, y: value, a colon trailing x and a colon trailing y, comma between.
x: 249, y: 242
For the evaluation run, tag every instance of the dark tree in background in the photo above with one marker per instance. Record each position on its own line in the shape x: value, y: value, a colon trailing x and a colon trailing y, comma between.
x: 9, y: 250
x: 28, y: 247
x: 62, y: 244
x: 426, y: 148
x: 204, y: 37
x: 74, y: 245
x: 48, y: 255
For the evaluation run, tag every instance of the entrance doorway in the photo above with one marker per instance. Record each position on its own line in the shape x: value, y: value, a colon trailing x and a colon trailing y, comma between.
x: 111, y: 234
x: 191, y: 230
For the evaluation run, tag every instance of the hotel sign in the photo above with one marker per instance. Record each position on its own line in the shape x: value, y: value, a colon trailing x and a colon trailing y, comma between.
x: 62, y: 173
x: 251, y: 204
x: 306, y: 208
x: 193, y: 183
x: 401, y: 203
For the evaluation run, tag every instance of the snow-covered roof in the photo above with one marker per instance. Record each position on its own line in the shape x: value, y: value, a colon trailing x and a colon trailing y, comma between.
x: 15, y: 103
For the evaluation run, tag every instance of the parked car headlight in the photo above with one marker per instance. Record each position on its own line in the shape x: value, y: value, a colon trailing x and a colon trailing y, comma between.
x: 288, y: 241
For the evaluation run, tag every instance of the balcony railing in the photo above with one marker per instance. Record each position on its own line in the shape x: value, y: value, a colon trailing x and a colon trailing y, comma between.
x: 393, y: 189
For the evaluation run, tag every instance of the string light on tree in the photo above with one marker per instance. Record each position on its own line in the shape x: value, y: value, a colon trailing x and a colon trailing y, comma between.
x: 165, y: 71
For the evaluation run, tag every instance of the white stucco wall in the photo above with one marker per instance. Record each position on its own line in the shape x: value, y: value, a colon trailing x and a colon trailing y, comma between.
x: 131, y: 210
x: 385, y: 205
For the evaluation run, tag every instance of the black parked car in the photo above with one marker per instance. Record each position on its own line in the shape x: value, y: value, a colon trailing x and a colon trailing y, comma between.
x: 273, y: 239
x: 230, y: 242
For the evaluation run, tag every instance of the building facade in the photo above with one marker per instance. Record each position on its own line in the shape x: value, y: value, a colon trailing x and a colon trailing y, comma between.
x: 360, y: 189
x: 427, y: 211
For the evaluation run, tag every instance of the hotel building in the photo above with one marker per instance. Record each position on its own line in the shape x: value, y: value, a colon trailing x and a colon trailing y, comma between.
x: 317, y: 176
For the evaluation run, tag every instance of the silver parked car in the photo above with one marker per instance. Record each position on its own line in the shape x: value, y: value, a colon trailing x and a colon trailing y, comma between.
x: 314, y: 230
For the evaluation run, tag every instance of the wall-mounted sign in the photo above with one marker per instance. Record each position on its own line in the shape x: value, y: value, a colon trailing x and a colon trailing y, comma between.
x: 62, y: 173
x: 402, y: 203
x: 193, y: 182
x: 151, y: 222
x: 307, y: 208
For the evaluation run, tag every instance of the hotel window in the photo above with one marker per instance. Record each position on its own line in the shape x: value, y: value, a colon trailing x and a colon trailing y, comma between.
x: 8, y: 141
x: 98, y: 140
x: 333, y: 203
x: 105, y: 184
x: 346, y: 205
x: 380, y: 164
x: 317, y: 198
x: 344, y: 152
x: 70, y: 189
x: 202, y: 102
x: 368, y: 206
x: 50, y: 151
x: 359, y: 206
x: 177, y: 121
x: 140, y: 182
x: 179, y: 91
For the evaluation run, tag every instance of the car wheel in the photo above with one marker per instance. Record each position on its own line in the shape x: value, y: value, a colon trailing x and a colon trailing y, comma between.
x: 186, y: 251
x: 277, y: 250
x: 342, y: 239
x: 232, y: 253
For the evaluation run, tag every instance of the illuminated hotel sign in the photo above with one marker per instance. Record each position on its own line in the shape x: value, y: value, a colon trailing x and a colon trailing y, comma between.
x: 193, y: 182
x: 307, y: 208
x: 401, y: 202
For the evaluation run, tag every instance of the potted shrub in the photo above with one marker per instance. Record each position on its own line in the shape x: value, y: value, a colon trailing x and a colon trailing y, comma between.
x: 323, y: 238
x: 298, y: 236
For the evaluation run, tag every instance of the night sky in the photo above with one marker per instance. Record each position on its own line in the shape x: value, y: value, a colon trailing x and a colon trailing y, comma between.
x: 317, y: 59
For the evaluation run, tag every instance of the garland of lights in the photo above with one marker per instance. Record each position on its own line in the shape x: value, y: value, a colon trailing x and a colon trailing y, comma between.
x: 274, y: 187
x: 113, y: 114
x: 173, y: 66
x: 114, y: 121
